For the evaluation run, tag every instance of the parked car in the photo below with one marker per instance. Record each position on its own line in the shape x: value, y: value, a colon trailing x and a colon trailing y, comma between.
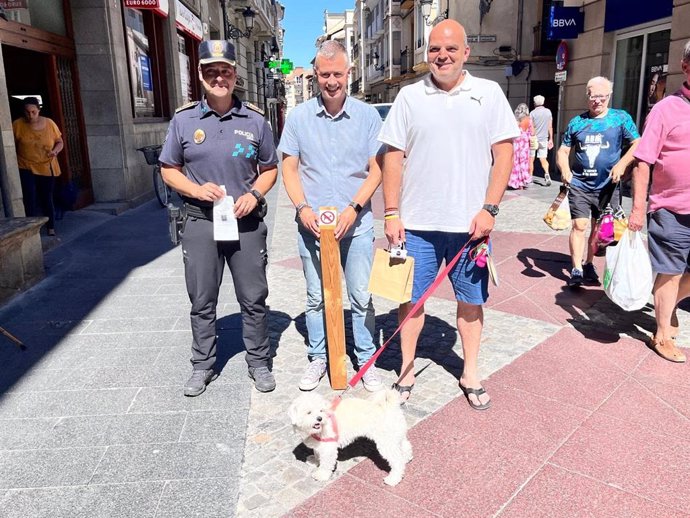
x: 383, y: 109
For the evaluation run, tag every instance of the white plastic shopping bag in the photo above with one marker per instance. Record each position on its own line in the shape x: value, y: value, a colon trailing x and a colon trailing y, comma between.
x: 628, y: 276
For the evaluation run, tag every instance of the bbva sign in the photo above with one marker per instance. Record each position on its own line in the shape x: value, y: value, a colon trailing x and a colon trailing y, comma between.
x: 565, y: 23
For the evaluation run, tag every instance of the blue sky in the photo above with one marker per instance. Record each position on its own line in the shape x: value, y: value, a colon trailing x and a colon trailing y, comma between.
x: 303, y: 23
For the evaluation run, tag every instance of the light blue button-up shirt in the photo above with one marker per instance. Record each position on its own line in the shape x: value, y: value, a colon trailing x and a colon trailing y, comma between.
x: 333, y: 153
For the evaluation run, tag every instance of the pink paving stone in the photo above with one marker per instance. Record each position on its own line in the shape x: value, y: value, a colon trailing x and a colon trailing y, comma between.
x: 556, y: 493
x: 674, y: 395
x: 294, y: 263
x: 509, y: 244
x: 561, y: 368
x: 655, y: 368
x: 624, y: 353
x: 517, y: 420
x: 630, y: 457
x: 467, y: 480
x: 635, y: 403
x: 350, y: 497
x: 522, y: 306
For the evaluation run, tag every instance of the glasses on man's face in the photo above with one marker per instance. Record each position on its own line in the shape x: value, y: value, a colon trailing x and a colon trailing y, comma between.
x: 212, y: 73
x: 599, y: 98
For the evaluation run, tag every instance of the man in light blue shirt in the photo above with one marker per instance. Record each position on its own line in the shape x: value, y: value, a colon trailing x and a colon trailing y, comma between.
x: 330, y: 152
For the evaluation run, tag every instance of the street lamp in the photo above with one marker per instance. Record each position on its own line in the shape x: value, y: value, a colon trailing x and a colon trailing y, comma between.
x: 376, y: 62
x: 426, y: 12
x: 235, y: 32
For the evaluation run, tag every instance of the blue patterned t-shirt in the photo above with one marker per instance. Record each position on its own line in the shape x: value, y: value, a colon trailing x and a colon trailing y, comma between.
x: 598, y: 144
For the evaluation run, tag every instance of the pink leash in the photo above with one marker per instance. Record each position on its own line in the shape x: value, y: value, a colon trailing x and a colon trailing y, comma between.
x: 358, y: 376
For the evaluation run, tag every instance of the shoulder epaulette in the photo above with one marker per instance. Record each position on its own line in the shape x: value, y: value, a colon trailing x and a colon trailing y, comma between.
x: 187, y: 106
x: 255, y: 108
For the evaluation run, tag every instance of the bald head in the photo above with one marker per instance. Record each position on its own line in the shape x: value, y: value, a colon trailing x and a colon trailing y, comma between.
x: 447, y: 53
x: 452, y: 28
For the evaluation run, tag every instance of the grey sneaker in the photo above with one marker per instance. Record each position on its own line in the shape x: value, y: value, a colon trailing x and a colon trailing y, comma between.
x: 264, y: 381
x: 196, y: 384
x: 313, y: 374
x: 547, y: 179
x: 371, y: 380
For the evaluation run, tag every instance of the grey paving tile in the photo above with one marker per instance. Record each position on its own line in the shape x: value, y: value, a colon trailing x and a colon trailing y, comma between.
x: 38, y: 380
x: 24, y: 434
x: 41, y: 468
x: 138, y: 340
x: 95, y: 501
x: 70, y: 432
x: 171, y: 399
x: 209, y: 498
x: 66, y: 403
x: 127, y: 325
x: 227, y: 427
x: 132, y: 463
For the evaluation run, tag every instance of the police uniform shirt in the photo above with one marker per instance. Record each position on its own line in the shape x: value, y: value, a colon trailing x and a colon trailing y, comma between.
x: 223, y: 149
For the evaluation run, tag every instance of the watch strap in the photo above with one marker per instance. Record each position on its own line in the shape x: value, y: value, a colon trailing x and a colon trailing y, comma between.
x: 356, y: 206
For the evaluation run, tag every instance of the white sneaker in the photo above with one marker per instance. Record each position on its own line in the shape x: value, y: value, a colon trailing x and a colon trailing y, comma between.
x: 313, y: 374
x: 371, y: 380
x: 547, y: 179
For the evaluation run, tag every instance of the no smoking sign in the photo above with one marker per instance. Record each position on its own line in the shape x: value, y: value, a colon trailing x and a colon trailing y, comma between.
x: 327, y: 216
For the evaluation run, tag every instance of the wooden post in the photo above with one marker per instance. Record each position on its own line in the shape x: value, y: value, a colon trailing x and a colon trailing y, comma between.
x: 333, y: 298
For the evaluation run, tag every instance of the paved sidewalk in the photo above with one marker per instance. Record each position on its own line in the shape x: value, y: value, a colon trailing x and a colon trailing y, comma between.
x: 586, y: 421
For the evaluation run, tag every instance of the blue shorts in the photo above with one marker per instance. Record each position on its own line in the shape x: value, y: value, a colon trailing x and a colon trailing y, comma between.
x: 668, y: 239
x: 430, y: 248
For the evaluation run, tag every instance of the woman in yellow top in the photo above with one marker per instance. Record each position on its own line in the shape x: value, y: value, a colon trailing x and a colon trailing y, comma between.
x: 38, y: 141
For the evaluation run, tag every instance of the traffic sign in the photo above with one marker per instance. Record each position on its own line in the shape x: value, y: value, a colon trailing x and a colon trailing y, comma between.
x: 561, y: 76
x: 562, y: 56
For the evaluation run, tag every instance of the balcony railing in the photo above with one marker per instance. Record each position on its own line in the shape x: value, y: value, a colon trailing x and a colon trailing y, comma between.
x: 354, y: 87
x: 542, y: 45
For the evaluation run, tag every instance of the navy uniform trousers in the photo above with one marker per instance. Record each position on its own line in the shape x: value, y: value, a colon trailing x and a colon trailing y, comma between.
x: 204, y: 261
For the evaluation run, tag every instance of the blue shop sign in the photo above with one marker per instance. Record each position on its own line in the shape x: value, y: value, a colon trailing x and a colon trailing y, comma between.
x: 628, y: 13
x: 145, y: 67
x: 565, y: 23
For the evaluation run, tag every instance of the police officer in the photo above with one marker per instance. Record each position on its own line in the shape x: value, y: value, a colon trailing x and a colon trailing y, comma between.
x: 219, y: 141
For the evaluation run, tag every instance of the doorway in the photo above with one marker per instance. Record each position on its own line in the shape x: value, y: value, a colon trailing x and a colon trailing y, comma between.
x: 51, y: 78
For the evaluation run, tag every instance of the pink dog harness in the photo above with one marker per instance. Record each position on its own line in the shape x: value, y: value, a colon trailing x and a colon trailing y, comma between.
x: 334, y: 423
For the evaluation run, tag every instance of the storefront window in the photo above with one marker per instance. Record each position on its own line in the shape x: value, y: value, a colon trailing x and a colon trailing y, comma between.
x: 144, y: 46
x: 640, y: 72
x: 47, y: 15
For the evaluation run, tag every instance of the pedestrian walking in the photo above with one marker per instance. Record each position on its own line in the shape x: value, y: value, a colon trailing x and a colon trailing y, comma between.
x: 38, y: 141
x: 542, y: 120
x: 220, y: 141
x: 597, y: 136
x: 330, y: 150
x: 441, y: 190
x: 521, y: 175
x: 665, y: 144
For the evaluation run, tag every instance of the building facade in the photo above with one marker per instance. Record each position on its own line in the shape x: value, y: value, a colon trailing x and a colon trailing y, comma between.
x: 111, y: 73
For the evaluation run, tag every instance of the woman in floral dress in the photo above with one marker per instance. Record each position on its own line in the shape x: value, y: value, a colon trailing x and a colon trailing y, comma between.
x: 521, y: 175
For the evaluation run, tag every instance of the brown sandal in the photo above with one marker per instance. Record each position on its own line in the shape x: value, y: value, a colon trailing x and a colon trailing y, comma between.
x: 667, y: 350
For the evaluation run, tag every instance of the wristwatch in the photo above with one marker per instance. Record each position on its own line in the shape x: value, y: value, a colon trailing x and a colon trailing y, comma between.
x: 491, y: 209
x: 259, y: 197
x: 356, y: 206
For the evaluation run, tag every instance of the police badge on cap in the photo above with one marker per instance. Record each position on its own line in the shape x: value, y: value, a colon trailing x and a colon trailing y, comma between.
x: 216, y: 51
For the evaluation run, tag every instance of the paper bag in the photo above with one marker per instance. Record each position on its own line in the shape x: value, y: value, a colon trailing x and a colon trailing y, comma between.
x: 558, y: 215
x: 391, y: 278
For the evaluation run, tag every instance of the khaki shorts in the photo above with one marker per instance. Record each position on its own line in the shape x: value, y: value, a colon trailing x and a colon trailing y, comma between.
x: 542, y: 151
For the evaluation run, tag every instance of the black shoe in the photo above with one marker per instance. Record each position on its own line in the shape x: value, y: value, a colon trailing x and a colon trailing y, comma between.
x: 576, y: 278
x: 198, y: 381
x: 264, y: 381
x: 589, y: 273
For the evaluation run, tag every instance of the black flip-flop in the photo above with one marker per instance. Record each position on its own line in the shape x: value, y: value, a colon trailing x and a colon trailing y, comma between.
x: 403, y: 389
x: 477, y: 392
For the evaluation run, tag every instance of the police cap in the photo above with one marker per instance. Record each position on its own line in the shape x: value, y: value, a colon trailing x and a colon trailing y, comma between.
x: 215, y: 51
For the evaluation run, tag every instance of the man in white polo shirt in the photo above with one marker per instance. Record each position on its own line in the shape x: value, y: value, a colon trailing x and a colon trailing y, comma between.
x: 446, y: 126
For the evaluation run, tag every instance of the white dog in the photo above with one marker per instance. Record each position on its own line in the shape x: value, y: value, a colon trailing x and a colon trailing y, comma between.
x: 325, y: 429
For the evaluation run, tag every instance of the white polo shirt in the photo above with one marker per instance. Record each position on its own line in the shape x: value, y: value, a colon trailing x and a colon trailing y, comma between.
x: 447, y: 138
